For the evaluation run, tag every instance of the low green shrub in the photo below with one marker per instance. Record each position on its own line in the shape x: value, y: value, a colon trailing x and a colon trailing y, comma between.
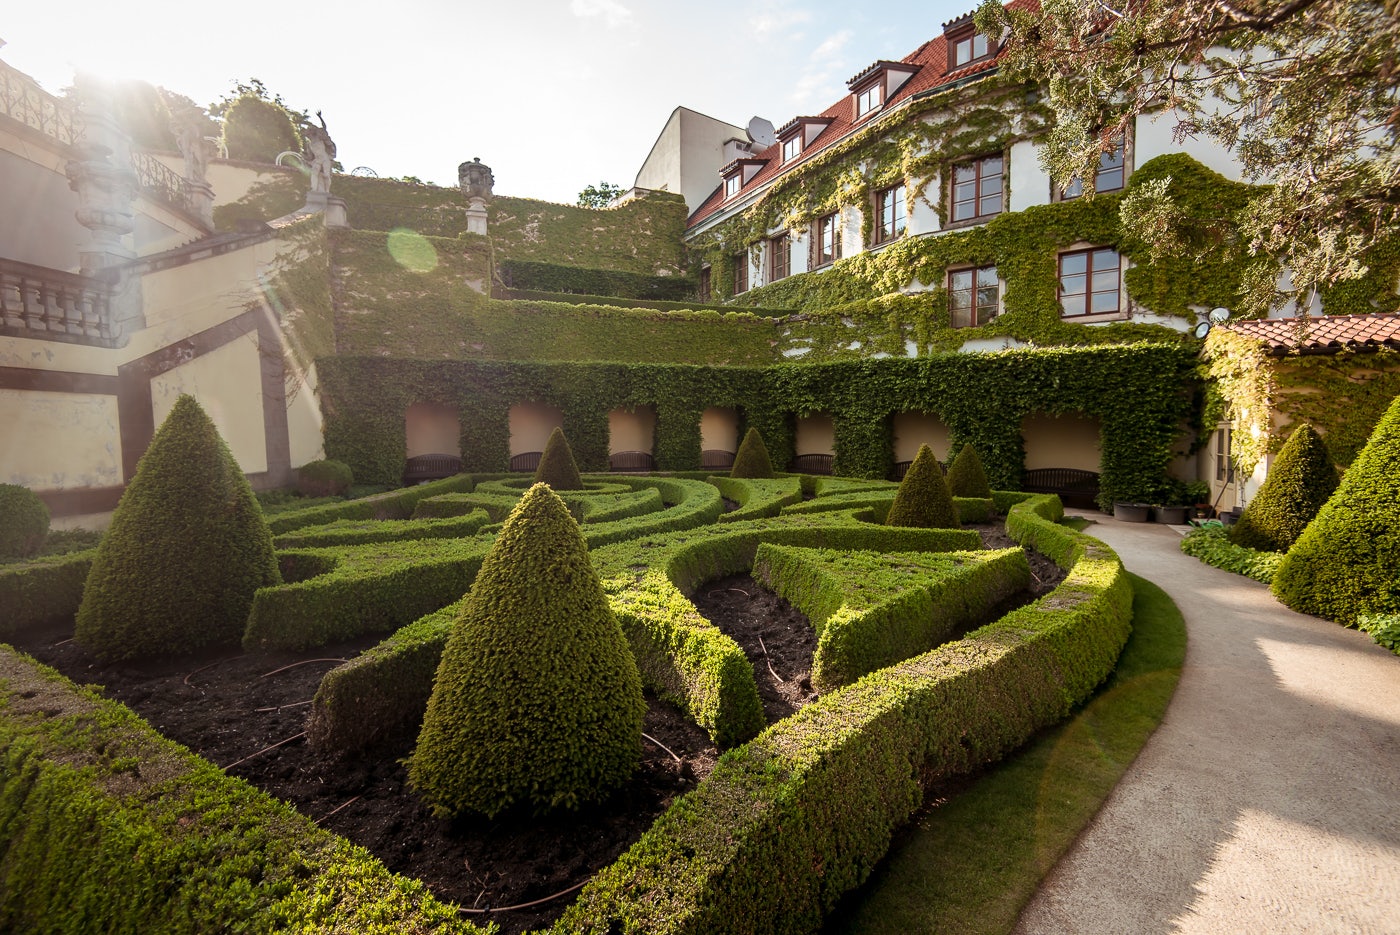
x: 1384, y: 629
x: 757, y: 498
x: 537, y: 701
x: 1347, y: 562
x: 557, y: 467
x: 43, y: 590
x: 872, y: 610
x: 362, y: 532
x: 24, y: 521
x: 966, y: 477
x: 324, y: 479
x: 105, y: 826
x: 1299, y: 483
x: 968, y: 509
x: 1212, y: 545
x: 536, y: 276
x: 923, y: 499
x: 187, y: 549
x: 394, y: 504
x: 751, y: 461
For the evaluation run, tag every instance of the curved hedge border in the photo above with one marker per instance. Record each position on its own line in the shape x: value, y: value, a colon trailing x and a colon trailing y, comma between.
x: 41, y: 590
x: 1212, y: 545
x: 853, y: 640
x: 970, y: 509
x: 395, y: 504
x: 757, y: 498
x: 792, y: 820
x: 366, y: 532
x: 109, y: 827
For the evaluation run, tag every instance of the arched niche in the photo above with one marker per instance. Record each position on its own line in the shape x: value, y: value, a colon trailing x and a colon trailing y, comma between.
x: 530, y: 426
x: 1067, y: 440
x: 719, y: 429
x: 432, y: 429
x: 815, y: 434
x: 912, y: 429
x: 632, y: 429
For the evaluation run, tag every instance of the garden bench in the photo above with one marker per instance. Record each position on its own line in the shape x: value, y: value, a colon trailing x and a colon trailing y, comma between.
x: 716, y: 459
x: 420, y: 469
x: 811, y: 464
x: 901, y: 468
x: 631, y: 461
x: 526, y: 460
x: 1075, y: 487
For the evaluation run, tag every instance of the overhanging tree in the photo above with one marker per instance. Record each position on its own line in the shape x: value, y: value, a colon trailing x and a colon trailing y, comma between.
x: 1306, y: 93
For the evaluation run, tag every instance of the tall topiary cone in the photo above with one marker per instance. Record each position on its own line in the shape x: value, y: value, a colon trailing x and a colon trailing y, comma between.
x: 751, y: 460
x: 923, y: 499
x: 1300, y: 482
x: 537, y: 700
x: 1347, y: 562
x: 966, y: 478
x: 187, y: 548
x: 557, y: 466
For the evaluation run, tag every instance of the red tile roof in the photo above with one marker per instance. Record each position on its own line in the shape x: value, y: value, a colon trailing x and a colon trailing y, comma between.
x: 1323, y: 334
x: 931, y: 58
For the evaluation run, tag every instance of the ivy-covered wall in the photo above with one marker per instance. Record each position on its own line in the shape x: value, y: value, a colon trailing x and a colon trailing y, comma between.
x: 641, y: 236
x: 1140, y: 394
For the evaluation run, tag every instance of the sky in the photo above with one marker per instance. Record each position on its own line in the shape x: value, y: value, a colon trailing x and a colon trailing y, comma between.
x: 554, y: 95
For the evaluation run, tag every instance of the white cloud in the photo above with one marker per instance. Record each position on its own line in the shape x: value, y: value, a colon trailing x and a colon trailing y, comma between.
x: 817, y: 85
x: 831, y: 46
x: 777, y: 16
x: 610, y: 11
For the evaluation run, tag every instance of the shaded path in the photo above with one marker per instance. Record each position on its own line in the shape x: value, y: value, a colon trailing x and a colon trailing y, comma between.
x: 1269, y: 798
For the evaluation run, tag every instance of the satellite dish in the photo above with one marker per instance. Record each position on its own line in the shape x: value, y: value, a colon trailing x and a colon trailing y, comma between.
x: 1219, y: 315
x: 364, y: 172
x: 761, y: 132
x: 1202, y: 329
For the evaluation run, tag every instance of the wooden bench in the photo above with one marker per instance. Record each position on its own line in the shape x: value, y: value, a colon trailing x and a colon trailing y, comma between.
x: 526, y: 461
x: 811, y: 464
x: 715, y: 459
x: 901, y: 468
x: 1074, y: 487
x: 420, y: 469
x: 631, y: 461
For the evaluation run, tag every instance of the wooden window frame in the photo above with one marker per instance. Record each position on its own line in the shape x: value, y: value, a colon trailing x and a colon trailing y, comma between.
x: 1089, y: 314
x: 878, y: 89
x: 741, y: 272
x: 891, y: 214
x: 779, y: 248
x: 819, y: 258
x: 974, y: 307
x: 792, y: 146
x: 970, y: 37
x: 733, y: 184
x: 1075, y: 189
x: 706, y: 285
x: 979, y: 181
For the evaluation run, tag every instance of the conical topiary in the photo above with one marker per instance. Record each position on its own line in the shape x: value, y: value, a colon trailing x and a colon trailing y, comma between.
x: 1300, y: 482
x: 24, y: 521
x: 1347, y: 562
x: 751, y: 460
x: 187, y: 548
x: 966, y: 478
x: 537, y: 700
x: 557, y: 466
x: 923, y: 499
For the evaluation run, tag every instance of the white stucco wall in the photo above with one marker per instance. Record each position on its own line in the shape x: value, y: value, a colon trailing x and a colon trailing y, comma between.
x: 1030, y: 183
x: 227, y: 383
x: 59, y: 441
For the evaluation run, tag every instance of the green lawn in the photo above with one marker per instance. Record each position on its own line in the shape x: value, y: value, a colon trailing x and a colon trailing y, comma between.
x: 970, y: 861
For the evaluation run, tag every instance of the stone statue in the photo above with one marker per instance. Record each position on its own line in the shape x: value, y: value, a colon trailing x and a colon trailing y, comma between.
x: 320, y: 151
x: 189, y: 136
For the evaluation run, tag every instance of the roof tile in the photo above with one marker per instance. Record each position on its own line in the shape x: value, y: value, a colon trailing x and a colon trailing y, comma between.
x: 1322, y: 334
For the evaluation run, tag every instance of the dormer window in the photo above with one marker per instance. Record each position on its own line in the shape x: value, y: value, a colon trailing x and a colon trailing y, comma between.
x: 792, y: 148
x: 799, y: 133
x: 739, y: 173
x: 965, y: 44
x: 732, y: 185
x: 878, y: 83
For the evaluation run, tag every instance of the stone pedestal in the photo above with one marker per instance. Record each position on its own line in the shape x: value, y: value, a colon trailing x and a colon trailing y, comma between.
x: 476, y: 217
x: 327, y: 204
x: 202, y: 199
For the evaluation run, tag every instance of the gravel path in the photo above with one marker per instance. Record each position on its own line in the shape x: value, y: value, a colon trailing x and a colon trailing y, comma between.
x: 1269, y: 798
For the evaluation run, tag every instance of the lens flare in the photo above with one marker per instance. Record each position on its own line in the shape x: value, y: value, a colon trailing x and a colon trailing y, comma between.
x: 412, y: 251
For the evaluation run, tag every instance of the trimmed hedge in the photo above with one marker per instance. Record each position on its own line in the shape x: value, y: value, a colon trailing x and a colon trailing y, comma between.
x: 364, y: 532
x: 1300, y: 482
x: 24, y: 521
x: 1347, y: 562
x: 42, y: 590
x: 105, y: 826
x: 872, y: 610
x: 557, y: 467
x: 923, y: 498
x: 789, y: 822
x: 324, y: 479
x: 537, y: 701
x: 394, y: 504
x: 966, y: 477
x: 1212, y: 545
x: 967, y: 509
x: 751, y: 461
x: 757, y: 498
x: 550, y: 277
x: 187, y: 549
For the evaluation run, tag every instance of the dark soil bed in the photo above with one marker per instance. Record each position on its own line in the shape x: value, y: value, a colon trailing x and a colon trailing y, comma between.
x: 246, y: 712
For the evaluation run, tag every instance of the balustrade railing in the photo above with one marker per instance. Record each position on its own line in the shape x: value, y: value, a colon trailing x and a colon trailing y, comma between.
x: 22, y: 99
x: 53, y: 305
x: 161, y: 182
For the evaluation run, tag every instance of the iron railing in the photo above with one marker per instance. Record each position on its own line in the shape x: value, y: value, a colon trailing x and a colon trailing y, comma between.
x: 53, y: 305
x: 162, y: 183
x: 23, y: 100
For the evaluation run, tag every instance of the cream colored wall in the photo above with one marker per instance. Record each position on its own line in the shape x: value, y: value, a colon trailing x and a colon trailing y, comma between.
x: 305, y: 426
x: 912, y: 429
x: 59, y: 441
x: 530, y: 426
x: 432, y: 429
x: 631, y: 431
x: 1066, y: 441
x: 227, y: 383
x: 719, y: 429
x: 816, y: 435
x: 183, y: 300
x: 232, y: 181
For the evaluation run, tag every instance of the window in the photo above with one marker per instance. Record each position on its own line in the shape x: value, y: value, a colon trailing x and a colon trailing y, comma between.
x: 779, y: 258
x: 966, y: 49
x: 792, y: 147
x: 732, y: 184
x: 1089, y: 282
x: 706, y: 293
x: 741, y: 272
x: 1108, y: 178
x: 977, y: 188
x: 869, y: 99
x: 889, y: 213
x: 1224, y: 467
x: 972, y: 296
x: 827, y: 240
